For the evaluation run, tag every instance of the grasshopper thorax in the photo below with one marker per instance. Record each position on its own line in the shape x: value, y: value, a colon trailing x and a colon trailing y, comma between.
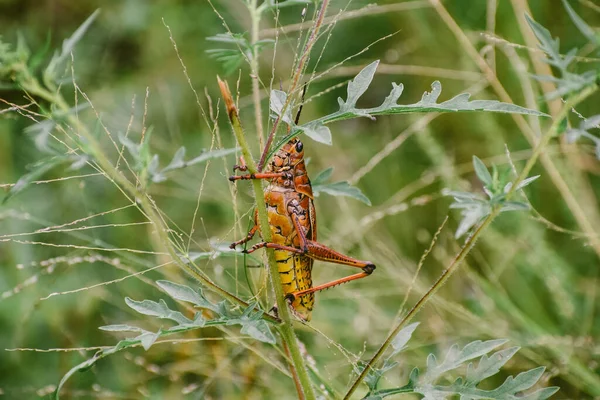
x: 289, y: 160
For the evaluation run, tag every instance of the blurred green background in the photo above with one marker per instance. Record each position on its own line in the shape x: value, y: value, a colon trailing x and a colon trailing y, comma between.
x: 526, y: 280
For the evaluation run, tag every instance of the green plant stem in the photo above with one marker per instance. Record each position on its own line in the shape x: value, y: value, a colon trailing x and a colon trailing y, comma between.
x: 286, y: 328
x: 34, y: 88
x: 551, y: 132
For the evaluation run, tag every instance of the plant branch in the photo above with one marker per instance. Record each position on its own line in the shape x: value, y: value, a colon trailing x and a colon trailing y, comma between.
x: 296, y: 78
x: 551, y: 132
x: 286, y: 329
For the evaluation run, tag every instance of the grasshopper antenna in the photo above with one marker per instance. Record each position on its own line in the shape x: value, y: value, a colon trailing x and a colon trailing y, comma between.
x: 301, y: 105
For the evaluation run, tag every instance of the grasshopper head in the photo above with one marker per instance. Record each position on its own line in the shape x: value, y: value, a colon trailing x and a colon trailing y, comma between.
x: 288, y: 156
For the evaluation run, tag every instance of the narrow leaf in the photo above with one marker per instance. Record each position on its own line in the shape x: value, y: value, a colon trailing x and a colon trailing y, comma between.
x: 186, y: 293
x: 544, y: 36
x: 147, y: 339
x: 527, y: 181
x: 583, y: 27
x: 489, y: 366
x: 317, y: 132
x: 160, y: 310
x: 68, y: 46
x: 541, y: 394
x: 79, y: 367
x: 276, y: 104
x: 322, y: 177
x: 590, y: 123
x: 401, y: 339
x: 177, y: 160
x: 342, y: 188
x: 514, y: 206
x: 121, y: 328
x: 358, y: 86
x: 521, y: 382
x: 482, y: 172
x: 392, y: 99
x: 455, y: 357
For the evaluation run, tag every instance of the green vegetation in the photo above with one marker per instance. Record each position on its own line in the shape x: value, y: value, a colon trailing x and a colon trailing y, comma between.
x: 116, y: 279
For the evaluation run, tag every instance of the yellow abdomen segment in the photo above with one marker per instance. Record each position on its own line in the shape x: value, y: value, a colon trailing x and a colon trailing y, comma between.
x: 295, y: 272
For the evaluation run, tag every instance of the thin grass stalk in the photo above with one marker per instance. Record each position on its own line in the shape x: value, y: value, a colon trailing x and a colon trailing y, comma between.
x: 255, y: 15
x: 33, y: 87
x: 554, y: 128
x: 286, y: 328
x: 573, y: 202
x: 296, y: 78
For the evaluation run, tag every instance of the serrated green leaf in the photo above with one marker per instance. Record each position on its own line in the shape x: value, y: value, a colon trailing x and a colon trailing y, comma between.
x: 482, y: 172
x: 514, y: 206
x: 524, y: 380
x: 277, y: 102
x: 455, y: 357
x: 160, y: 310
x: 568, y: 81
x: 358, y: 86
x: 317, y: 132
x: 489, y: 366
x: 374, y: 374
x: 186, y: 293
x: 392, y: 99
x: 342, y: 188
x: 547, y: 43
x: 511, y: 389
x: 259, y: 330
x: 147, y: 339
x: 401, y: 339
x: 541, y: 394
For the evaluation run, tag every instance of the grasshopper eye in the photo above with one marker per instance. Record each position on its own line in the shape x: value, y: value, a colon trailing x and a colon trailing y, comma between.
x: 299, y: 146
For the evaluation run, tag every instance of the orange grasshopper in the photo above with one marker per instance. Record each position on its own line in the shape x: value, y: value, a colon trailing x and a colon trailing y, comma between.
x: 293, y: 222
